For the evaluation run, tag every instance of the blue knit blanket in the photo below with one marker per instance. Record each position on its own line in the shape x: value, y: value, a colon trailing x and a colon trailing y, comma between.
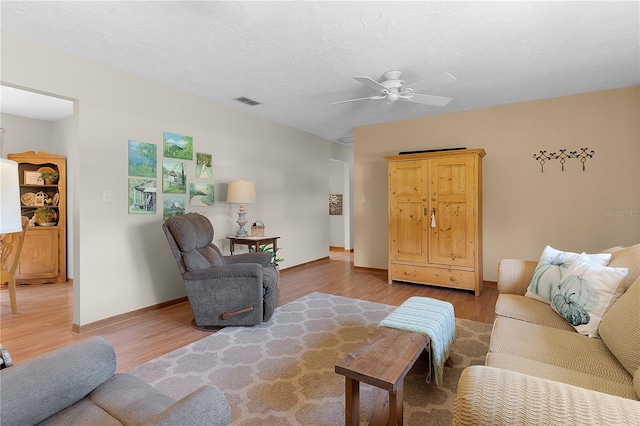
x: 430, y: 317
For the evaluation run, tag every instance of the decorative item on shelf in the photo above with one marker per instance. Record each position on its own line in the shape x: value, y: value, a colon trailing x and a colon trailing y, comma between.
x: 562, y: 155
x: 33, y: 178
x: 40, y: 199
x: 241, y: 192
x: 257, y: 229
x: 48, y: 175
x: 56, y: 199
x: 45, y: 216
x: 28, y: 199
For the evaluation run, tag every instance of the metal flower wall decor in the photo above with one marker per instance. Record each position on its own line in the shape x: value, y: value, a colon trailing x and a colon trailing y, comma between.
x: 583, y: 154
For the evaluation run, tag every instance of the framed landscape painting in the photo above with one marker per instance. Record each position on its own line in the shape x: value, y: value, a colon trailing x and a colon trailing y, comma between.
x: 174, y: 177
x: 143, y: 159
x: 172, y: 206
x: 178, y: 146
x: 200, y: 194
x: 204, y: 170
x: 142, y: 196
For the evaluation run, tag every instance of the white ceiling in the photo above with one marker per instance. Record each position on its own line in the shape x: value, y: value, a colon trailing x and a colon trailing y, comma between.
x: 298, y: 57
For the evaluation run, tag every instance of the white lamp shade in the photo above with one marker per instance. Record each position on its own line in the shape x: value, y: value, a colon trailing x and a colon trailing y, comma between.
x: 241, y: 192
x: 10, y: 220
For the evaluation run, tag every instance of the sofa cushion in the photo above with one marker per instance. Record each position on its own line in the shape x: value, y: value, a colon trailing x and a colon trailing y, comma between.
x: 530, y: 310
x: 560, y: 374
x: 556, y: 347
x: 620, y: 328
x: 82, y: 413
x: 551, y: 269
x: 625, y: 257
x: 130, y: 399
x: 493, y: 396
x: 584, y: 293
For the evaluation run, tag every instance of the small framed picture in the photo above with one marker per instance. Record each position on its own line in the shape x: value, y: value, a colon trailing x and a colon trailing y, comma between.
x: 33, y: 178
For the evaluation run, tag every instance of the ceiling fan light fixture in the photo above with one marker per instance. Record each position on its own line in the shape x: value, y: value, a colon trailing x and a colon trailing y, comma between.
x: 393, y: 88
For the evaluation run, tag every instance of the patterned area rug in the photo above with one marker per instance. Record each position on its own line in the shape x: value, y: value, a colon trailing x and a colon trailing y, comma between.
x: 282, y: 372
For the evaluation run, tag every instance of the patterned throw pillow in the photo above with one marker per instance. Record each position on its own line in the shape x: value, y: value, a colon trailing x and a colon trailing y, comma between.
x: 552, y: 268
x: 584, y: 293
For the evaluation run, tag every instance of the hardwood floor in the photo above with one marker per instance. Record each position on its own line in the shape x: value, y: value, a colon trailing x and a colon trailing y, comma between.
x: 45, y: 311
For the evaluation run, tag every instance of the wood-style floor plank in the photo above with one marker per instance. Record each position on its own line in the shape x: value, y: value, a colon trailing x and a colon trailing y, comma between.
x: 45, y: 311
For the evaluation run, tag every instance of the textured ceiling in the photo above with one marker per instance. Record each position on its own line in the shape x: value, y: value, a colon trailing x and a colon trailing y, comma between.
x: 298, y: 57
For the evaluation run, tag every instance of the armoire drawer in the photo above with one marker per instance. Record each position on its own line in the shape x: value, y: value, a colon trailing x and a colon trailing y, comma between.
x: 435, y: 276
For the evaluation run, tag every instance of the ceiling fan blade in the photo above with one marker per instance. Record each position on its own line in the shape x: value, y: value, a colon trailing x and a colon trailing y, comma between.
x: 435, y: 81
x: 427, y: 99
x: 370, y: 82
x: 359, y: 99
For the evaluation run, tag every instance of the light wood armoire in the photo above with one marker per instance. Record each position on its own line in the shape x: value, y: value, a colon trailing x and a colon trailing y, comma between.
x: 435, y: 218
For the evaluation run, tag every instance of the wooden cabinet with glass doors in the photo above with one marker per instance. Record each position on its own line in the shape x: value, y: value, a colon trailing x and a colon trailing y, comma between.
x: 43, y: 200
x: 435, y: 218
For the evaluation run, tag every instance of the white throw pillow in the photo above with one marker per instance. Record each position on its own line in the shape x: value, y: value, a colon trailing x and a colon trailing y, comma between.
x: 552, y: 267
x: 584, y: 294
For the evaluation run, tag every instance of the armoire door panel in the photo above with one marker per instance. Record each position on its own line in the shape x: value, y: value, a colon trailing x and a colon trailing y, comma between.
x: 451, y: 241
x: 407, y: 237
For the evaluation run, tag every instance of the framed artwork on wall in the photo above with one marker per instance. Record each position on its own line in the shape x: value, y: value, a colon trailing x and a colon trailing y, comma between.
x: 204, y: 169
x: 174, y: 177
x: 200, y: 194
x: 172, y: 206
x: 335, y: 204
x: 178, y: 146
x: 143, y: 159
x: 142, y: 196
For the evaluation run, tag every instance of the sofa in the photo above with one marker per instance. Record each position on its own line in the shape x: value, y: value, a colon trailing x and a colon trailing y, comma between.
x: 77, y: 385
x: 541, y: 370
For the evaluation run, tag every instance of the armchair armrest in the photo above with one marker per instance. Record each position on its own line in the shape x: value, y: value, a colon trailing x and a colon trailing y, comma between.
x: 493, y: 396
x: 262, y: 258
x: 204, y: 406
x: 514, y: 275
x: 228, y: 271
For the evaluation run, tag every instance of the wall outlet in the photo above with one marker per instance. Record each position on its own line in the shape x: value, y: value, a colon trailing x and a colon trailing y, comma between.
x: 106, y: 196
x: 362, y: 199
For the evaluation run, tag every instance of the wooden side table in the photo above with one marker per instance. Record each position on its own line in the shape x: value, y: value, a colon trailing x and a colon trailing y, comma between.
x: 254, y: 242
x: 383, y: 360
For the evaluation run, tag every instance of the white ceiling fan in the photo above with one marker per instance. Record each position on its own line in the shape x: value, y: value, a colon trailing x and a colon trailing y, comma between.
x: 393, y: 89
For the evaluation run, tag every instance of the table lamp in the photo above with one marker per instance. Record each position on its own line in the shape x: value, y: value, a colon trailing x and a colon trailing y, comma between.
x: 10, y: 222
x: 241, y: 192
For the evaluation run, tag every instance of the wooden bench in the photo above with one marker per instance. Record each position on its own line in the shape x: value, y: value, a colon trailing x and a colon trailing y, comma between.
x: 382, y: 360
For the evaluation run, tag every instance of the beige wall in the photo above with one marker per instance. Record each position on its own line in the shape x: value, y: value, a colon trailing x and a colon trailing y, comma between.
x: 524, y: 209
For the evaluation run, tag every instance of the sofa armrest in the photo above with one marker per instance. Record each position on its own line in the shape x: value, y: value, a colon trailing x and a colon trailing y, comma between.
x: 39, y: 388
x: 514, y: 275
x: 204, y: 406
x: 493, y: 396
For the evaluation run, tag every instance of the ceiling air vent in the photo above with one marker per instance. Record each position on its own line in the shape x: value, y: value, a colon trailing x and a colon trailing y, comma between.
x: 247, y: 101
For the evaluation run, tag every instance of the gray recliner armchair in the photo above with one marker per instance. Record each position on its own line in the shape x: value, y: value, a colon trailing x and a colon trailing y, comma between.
x: 222, y: 290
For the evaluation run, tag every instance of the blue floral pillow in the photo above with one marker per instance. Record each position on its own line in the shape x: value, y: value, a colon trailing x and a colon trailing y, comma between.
x: 583, y: 294
x: 552, y: 268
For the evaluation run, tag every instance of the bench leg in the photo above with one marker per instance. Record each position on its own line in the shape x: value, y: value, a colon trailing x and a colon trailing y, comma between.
x: 352, y: 396
x: 395, y: 407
